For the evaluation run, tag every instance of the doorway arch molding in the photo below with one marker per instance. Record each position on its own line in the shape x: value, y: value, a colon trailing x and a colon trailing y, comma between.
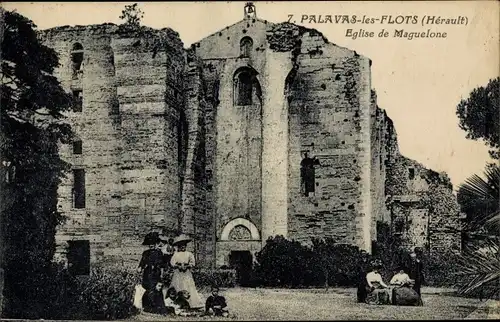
x: 254, y: 232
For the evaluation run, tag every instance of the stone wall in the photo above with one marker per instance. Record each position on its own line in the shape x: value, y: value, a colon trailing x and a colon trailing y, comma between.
x: 379, y: 154
x: 328, y: 104
x: 196, y: 218
x: 424, y: 210
x: 166, y: 148
x: 234, y: 133
x: 131, y: 104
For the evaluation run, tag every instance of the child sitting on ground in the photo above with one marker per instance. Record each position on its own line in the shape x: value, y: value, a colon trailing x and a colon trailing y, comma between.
x: 171, y: 302
x: 216, y: 304
x: 183, y: 303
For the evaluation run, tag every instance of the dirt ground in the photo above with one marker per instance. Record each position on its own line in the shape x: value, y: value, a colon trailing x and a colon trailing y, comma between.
x: 336, y: 304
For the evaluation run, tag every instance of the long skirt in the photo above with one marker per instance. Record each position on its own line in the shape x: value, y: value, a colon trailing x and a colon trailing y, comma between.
x: 405, y: 296
x: 183, y: 281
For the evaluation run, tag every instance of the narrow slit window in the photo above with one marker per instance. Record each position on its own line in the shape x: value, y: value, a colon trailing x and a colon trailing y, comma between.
x: 77, y: 147
x: 308, y: 174
x: 77, y: 100
x: 77, y: 60
x: 79, y: 257
x: 79, y: 188
x: 411, y: 173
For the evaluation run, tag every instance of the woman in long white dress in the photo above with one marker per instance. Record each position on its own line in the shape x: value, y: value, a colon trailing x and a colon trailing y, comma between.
x: 182, y: 280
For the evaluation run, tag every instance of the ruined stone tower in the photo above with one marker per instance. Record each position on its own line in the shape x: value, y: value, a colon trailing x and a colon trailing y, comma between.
x: 257, y: 130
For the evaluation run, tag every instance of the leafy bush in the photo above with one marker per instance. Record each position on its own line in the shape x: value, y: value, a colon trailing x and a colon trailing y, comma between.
x: 343, y: 265
x: 441, y: 270
x: 286, y: 263
x: 53, y: 293
x: 218, y: 277
x: 47, y: 292
x: 107, y: 294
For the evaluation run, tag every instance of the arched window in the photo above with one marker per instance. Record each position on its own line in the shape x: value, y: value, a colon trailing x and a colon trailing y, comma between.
x: 243, y: 88
x: 246, y: 44
x: 77, y: 59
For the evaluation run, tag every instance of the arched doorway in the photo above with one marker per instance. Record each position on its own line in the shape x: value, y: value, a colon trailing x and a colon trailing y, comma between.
x: 239, y: 241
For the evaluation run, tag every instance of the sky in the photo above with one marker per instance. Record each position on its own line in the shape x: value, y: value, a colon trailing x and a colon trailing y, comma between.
x: 419, y: 82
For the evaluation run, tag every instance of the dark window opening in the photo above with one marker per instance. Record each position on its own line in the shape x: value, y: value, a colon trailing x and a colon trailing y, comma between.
x: 411, y: 173
x: 77, y: 101
x: 77, y: 147
x: 79, y: 188
x: 246, y: 45
x: 243, y: 89
x: 308, y: 174
x: 215, y: 92
x: 79, y: 257
x: 77, y: 60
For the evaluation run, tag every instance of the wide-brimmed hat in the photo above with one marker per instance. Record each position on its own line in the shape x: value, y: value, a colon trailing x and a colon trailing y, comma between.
x: 181, y: 239
x: 151, y: 238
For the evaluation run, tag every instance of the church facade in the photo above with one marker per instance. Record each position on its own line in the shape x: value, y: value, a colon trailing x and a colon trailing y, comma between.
x: 257, y: 130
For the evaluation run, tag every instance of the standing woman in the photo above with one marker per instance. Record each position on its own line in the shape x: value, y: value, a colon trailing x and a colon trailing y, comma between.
x: 182, y: 280
x: 151, y: 263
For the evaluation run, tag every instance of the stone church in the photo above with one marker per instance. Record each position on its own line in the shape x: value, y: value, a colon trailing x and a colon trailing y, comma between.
x: 257, y: 130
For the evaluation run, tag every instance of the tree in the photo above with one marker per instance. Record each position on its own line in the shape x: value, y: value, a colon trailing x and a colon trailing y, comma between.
x: 132, y: 15
x: 480, y: 264
x: 480, y: 117
x: 32, y: 125
x: 479, y: 199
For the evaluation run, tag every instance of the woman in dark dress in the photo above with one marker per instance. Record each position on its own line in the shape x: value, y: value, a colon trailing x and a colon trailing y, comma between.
x: 153, y: 302
x: 151, y: 263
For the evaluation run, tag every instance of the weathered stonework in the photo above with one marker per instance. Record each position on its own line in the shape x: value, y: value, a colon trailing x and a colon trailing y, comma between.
x: 170, y: 144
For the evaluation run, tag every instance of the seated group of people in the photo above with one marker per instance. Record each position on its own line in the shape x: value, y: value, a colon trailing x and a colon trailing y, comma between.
x: 405, y: 291
x: 177, y: 302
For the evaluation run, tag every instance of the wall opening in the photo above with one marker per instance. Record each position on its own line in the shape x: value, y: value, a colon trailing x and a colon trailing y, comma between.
x: 77, y: 100
x: 245, y: 86
x: 411, y: 173
x: 243, y: 89
x: 79, y: 257
x: 308, y: 174
x: 77, y: 60
x: 246, y: 45
x: 77, y: 147
x: 242, y: 262
x: 79, y: 188
x: 215, y: 92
